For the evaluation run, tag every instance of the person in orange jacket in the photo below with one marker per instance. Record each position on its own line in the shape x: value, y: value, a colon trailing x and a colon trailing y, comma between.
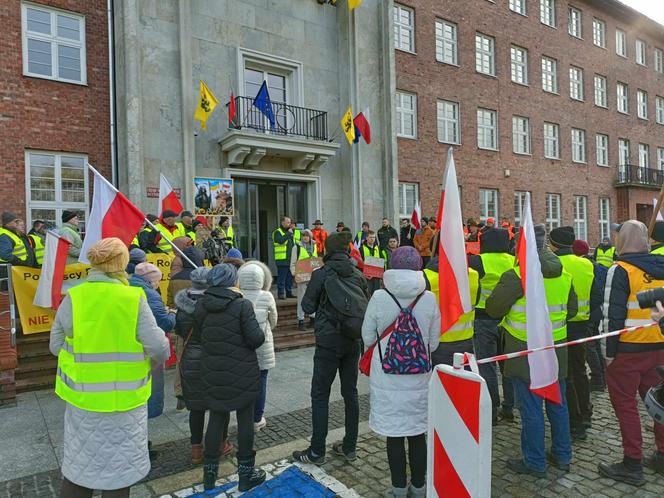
x: 320, y: 235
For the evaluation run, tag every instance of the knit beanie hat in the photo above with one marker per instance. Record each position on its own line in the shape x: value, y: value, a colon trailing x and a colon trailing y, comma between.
x: 562, y: 237
x: 540, y: 235
x: 658, y: 232
x: 338, y: 242
x: 199, y: 277
x: 234, y: 253
x: 137, y: 255
x: 186, y: 213
x: 109, y: 255
x: 405, y: 258
x: 149, y: 272
x: 68, y: 215
x: 169, y: 214
x: 580, y: 247
x: 8, y: 217
x: 222, y: 275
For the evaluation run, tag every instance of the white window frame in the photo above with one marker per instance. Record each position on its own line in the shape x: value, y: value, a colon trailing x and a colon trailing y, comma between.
x: 601, y: 98
x: 575, y: 22
x: 549, y: 74
x: 521, y: 135
x: 644, y: 155
x: 400, y: 27
x: 602, y: 149
x: 406, y: 211
x: 447, y: 47
x: 599, y: 33
x: 548, y: 13
x: 658, y: 60
x: 402, y: 112
x: 660, y: 158
x: 623, y: 152
x: 55, y: 41
x: 485, y: 57
x: 519, y: 206
x: 553, y: 219
x: 604, y: 217
x: 578, y: 145
x: 659, y: 109
x: 621, y: 43
x: 622, y: 97
x: 551, y: 134
x: 487, y: 131
x: 640, y: 52
x: 642, y: 104
x: 576, y: 90
x: 519, y: 65
x: 581, y: 217
x: 518, y: 6
x: 57, y: 205
x: 449, y: 127
x: 485, y: 212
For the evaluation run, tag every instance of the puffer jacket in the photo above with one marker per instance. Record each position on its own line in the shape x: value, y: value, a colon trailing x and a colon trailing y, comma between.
x: 255, y: 282
x: 193, y: 389
x: 230, y: 335
x: 180, y: 280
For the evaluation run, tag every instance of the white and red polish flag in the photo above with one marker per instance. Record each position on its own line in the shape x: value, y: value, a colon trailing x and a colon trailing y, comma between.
x: 168, y: 200
x: 49, y: 289
x: 543, y: 365
x: 112, y: 215
x: 416, y: 217
x: 452, y: 262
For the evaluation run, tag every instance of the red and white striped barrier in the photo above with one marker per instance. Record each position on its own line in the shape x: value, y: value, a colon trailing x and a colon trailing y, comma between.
x: 459, y: 440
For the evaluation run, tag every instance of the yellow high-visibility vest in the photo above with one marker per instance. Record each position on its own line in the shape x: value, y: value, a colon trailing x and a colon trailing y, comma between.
x: 19, y: 251
x: 605, y: 257
x: 303, y: 254
x: 39, y: 247
x: 230, y: 240
x: 166, y: 234
x: 583, y: 273
x: 280, y: 250
x: 659, y: 250
x: 494, y: 264
x: 373, y: 252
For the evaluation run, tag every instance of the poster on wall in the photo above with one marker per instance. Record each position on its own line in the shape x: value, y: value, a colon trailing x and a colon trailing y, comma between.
x: 214, y: 196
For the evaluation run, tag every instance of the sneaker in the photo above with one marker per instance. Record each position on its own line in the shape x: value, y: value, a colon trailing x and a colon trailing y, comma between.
x: 396, y: 493
x: 655, y: 462
x: 579, y: 433
x: 338, y: 448
x: 556, y: 463
x: 260, y: 424
x: 519, y: 466
x: 618, y: 472
x: 414, y: 492
x: 249, y: 477
x: 307, y: 456
x: 181, y: 406
x: 300, y: 325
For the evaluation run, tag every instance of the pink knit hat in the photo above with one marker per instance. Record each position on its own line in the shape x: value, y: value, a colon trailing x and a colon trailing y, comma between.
x: 149, y: 272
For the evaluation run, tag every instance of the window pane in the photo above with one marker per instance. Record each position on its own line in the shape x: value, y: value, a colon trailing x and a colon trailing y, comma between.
x: 69, y: 28
x: 38, y: 21
x: 42, y: 177
x: 39, y: 57
x: 73, y: 179
x: 69, y: 63
x: 47, y: 215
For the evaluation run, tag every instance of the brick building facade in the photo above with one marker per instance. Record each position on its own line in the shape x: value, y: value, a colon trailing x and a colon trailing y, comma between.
x: 547, y: 61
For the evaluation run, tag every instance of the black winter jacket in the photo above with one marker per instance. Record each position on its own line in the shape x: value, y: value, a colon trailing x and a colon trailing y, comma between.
x: 193, y: 389
x: 229, y: 335
x: 314, y: 301
x: 385, y: 234
x: 406, y: 236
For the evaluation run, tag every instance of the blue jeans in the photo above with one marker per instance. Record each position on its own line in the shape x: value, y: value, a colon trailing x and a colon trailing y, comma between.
x: 259, y: 409
x: 487, y: 341
x: 532, y: 426
x: 284, y: 280
x: 156, y: 400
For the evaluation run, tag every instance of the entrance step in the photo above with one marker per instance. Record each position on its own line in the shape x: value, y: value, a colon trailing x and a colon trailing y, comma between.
x: 36, y: 365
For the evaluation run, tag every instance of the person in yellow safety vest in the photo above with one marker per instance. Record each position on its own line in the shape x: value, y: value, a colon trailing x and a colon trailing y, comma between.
x: 148, y: 237
x: 582, y: 270
x: 632, y: 358
x: 508, y: 303
x: 229, y: 234
x: 306, y: 249
x: 605, y: 253
x: 657, y: 239
x: 282, y: 240
x: 492, y: 261
x: 362, y: 235
x: 104, y: 359
x: 370, y: 248
x: 13, y: 248
x: 72, y: 233
x: 168, y: 230
x: 185, y: 225
x: 37, y: 236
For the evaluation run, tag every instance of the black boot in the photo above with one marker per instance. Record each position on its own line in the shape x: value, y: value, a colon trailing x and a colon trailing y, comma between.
x: 210, y: 474
x: 250, y: 476
x: 300, y: 325
x: 629, y: 471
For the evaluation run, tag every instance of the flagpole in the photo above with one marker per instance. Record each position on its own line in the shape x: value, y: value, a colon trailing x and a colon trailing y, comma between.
x: 336, y: 130
x: 182, y: 254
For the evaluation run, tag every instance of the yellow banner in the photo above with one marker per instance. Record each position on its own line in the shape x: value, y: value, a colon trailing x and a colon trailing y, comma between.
x: 163, y: 262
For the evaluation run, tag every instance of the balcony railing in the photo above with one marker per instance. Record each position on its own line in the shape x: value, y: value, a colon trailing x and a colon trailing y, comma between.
x: 629, y: 175
x: 290, y: 120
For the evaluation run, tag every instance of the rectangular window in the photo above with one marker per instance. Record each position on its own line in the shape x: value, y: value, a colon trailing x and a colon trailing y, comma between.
x: 487, y: 129
x: 551, y: 141
x: 600, y: 91
x: 519, y: 206
x: 581, y: 217
x: 602, y: 149
x: 552, y: 211
x: 406, y: 114
x: 578, y: 145
x: 599, y: 33
x: 519, y: 65
x: 621, y: 43
x: 622, y: 97
x: 623, y: 152
x: 53, y: 44
x: 644, y: 156
x: 518, y: 6
x: 659, y: 109
x: 485, y: 60
x: 549, y: 75
x: 520, y: 135
x: 404, y: 27
x: 409, y: 195
x: 576, y: 83
x: 548, y: 12
x: 659, y: 60
x: 574, y: 22
x: 55, y: 183
x: 446, y: 42
x: 642, y: 104
x: 488, y: 204
x: 448, y: 122
x: 660, y: 158
x: 641, y: 52
x: 604, y: 217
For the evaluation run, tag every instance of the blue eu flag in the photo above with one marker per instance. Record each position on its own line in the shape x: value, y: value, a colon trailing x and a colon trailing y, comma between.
x: 263, y: 103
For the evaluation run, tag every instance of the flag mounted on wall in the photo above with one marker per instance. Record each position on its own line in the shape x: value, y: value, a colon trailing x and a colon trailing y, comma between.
x: 347, y: 126
x: 263, y: 103
x: 206, y: 104
x: 353, y: 4
x: 362, y: 127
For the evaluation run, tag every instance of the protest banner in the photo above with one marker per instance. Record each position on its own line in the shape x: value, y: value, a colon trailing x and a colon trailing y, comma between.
x: 163, y: 262
x: 373, y: 267
x: 305, y: 267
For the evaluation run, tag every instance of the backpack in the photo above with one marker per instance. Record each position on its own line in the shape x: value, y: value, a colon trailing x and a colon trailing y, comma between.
x: 346, y: 303
x: 405, y: 353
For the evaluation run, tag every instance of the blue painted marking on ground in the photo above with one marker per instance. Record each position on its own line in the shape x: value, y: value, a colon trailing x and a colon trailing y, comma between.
x: 214, y: 492
x: 291, y: 483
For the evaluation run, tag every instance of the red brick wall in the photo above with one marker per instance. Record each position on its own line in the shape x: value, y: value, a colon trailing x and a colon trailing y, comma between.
x: 51, y: 115
x: 422, y: 160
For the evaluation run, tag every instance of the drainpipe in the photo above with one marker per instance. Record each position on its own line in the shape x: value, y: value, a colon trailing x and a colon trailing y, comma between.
x: 111, y: 83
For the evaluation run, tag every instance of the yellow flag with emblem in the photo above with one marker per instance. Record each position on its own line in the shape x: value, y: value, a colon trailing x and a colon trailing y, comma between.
x: 348, y: 127
x: 353, y: 4
x: 206, y: 104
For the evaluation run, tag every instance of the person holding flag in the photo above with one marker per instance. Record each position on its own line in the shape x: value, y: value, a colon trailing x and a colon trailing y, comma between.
x: 168, y: 230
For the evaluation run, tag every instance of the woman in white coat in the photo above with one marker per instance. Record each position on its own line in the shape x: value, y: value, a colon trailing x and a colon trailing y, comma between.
x: 255, y: 281
x: 398, y: 403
